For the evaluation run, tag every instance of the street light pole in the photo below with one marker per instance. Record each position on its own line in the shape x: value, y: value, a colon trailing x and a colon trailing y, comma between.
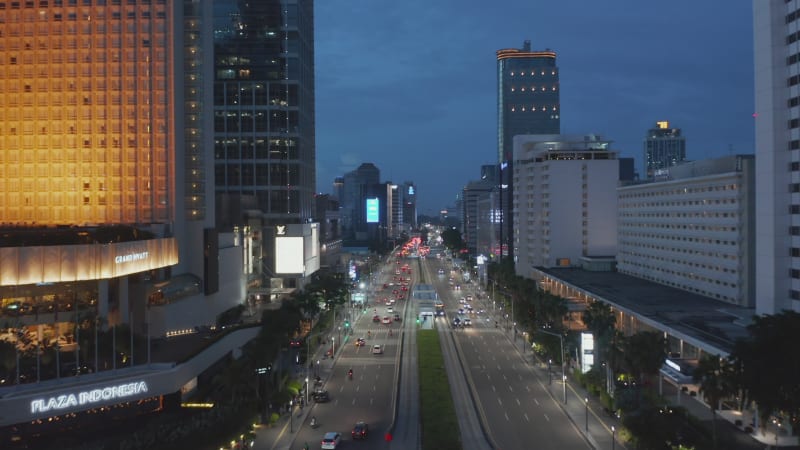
x: 586, y: 402
x: 563, y: 371
x: 291, y: 413
x: 613, y: 437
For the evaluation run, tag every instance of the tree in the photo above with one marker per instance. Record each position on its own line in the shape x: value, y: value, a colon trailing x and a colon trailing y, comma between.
x: 451, y: 238
x: 645, y: 353
x: 713, y: 374
x: 770, y: 365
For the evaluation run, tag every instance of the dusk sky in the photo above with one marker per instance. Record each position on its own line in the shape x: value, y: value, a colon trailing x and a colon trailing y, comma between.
x: 411, y: 86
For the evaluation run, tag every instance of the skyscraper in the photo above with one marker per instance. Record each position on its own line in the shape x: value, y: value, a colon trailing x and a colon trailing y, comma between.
x: 264, y: 148
x: 354, y: 192
x: 527, y: 96
x: 527, y: 103
x: 777, y: 133
x: 663, y: 147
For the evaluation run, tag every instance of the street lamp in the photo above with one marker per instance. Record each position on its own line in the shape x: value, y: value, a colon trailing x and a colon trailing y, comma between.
x: 563, y: 373
x: 307, y: 386
x: 613, y: 437
x: 291, y: 413
x: 585, y: 402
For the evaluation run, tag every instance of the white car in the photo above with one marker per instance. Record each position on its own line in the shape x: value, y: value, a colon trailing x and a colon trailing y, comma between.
x: 467, y: 322
x: 377, y: 349
x: 389, y: 310
x: 331, y: 440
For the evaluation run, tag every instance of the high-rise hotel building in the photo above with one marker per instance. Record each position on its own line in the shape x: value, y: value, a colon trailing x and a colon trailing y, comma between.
x: 777, y: 133
x: 527, y: 103
x: 117, y: 118
x: 96, y: 178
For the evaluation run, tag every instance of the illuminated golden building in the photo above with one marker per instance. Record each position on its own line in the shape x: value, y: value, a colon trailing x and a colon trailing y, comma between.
x: 84, y: 112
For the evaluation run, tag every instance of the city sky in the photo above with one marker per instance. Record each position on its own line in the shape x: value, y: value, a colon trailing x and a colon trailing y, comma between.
x: 411, y: 86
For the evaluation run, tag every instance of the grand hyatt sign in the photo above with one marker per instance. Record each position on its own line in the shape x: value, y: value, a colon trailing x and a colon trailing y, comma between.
x: 130, y: 257
x: 88, y: 398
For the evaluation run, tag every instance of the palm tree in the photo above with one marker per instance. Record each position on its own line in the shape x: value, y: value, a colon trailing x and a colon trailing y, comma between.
x: 713, y: 374
x: 645, y: 353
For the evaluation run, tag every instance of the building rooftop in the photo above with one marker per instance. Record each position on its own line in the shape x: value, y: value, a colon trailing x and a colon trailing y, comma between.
x: 681, y: 313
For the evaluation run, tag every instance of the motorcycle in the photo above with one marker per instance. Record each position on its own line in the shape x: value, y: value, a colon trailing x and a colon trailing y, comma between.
x: 313, y: 422
x: 350, y: 373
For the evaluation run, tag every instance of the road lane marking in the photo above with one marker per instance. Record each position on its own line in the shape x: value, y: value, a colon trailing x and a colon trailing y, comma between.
x: 499, y: 400
x: 525, y: 415
x: 527, y: 388
x: 520, y: 376
x: 518, y: 403
x: 511, y: 389
x: 548, y: 419
x: 536, y: 401
x: 507, y: 419
x: 504, y: 377
x: 493, y: 389
x: 354, y: 402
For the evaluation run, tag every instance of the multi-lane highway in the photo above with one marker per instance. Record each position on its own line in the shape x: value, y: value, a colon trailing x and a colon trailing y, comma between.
x: 370, y: 395
x: 500, y: 400
x: 519, y: 410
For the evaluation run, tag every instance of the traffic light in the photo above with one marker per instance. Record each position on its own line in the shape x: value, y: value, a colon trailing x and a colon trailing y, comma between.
x: 347, y: 324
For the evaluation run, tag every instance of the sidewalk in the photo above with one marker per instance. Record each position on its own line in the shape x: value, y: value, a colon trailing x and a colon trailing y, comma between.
x: 281, y: 434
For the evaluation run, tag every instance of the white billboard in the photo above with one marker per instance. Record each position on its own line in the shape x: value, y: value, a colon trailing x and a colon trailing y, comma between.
x: 587, y: 352
x: 289, y: 255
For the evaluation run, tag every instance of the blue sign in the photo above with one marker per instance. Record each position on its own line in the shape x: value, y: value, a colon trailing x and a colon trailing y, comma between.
x: 373, y: 208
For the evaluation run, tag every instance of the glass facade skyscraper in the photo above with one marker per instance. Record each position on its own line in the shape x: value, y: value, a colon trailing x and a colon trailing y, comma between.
x: 527, y: 96
x: 663, y: 147
x: 264, y: 149
x: 527, y: 103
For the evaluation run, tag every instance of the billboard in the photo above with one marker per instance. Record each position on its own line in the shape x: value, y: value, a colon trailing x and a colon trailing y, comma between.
x: 289, y: 255
x: 587, y: 352
x: 373, y: 210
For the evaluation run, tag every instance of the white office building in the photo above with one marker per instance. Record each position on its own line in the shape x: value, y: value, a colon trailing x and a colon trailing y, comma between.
x: 776, y: 49
x: 565, y: 200
x: 693, y: 229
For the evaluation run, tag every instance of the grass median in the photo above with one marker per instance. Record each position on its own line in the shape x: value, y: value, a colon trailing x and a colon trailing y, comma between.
x: 438, y: 415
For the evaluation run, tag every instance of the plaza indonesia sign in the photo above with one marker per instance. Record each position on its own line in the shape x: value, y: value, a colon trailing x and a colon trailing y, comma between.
x: 88, y: 398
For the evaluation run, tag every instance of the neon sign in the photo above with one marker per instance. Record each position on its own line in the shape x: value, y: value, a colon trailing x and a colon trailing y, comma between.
x: 65, y: 401
x: 131, y: 257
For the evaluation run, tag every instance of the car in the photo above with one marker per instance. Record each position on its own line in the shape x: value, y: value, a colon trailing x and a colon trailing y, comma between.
x: 377, y: 349
x: 376, y: 318
x: 397, y: 318
x: 295, y: 343
x: 456, y: 322
x: 360, y: 342
x: 467, y: 322
x: 386, y: 320
x: 321, y: 396
x: 390, y: 310
x: 331, y: 440
x: 360, y: 430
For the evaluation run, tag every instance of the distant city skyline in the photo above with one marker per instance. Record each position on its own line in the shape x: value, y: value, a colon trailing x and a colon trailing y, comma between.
x: 425, y: 109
